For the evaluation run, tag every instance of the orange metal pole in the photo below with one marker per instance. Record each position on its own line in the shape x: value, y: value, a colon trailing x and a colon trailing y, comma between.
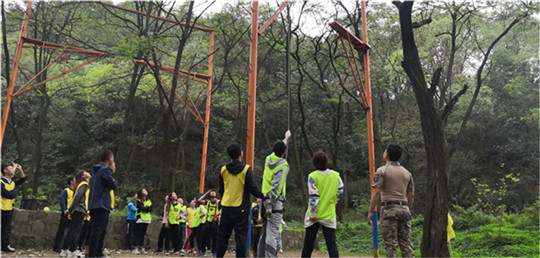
x: 37, y: 75
x: 13, y: 76
x: 250, y: 148
x: 273, y: 17
x: 207, y: 115
x: 369, y: 115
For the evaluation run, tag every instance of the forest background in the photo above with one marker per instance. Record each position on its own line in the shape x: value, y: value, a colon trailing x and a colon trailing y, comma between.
x: 480, y: 58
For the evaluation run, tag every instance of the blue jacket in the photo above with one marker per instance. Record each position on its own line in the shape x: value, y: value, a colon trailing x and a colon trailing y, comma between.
x: 100, y: 186
x: 63, y: 200
x: 132, y: 210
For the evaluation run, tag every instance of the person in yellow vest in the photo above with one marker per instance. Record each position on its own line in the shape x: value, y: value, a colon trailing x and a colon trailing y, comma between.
x: 194, y: 221
x: 9, y: 192
x: 78, y: 210
x: 66, y: 198
x: 212, y: 220
x: 144, y: 217
x: 325, y: 187
x: 236, y: 183
x: 256, y: 222
x: 274, y: 184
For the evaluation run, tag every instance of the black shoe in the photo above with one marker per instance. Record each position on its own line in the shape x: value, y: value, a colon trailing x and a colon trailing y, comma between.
x: 8, y: 249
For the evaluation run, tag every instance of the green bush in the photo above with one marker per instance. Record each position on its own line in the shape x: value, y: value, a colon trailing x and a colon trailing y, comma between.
x: 470, y: 218
x: 497, y: 240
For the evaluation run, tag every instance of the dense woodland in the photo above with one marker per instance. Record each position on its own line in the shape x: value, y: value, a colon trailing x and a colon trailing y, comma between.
x: 476, y: 79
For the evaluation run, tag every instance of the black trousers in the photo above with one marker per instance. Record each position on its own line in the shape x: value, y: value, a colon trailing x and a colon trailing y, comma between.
x: 163, y: 235
x: 211, y: 236
x: 140, y: 232
x: 255, y: 236
x: 7, y: 219
x: 98, y: 229
x: 329, y: 237
x: 64, y: 223
x: 230, y: 220
x: 75, y: 228
x: 194, y: 236
x: 130, y: 233
x: 85, y: 235
x: 174, y: 237
x: 201, y: 237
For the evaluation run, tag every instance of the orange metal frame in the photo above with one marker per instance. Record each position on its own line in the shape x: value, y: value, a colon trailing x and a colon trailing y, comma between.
x: 255, y: 33
x: 363, y: 88
x: 25, y: 42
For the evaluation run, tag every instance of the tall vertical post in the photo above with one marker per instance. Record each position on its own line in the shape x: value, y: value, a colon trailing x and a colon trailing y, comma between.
x: 13, y: 77
x: 250, y: 148
x: 207, y: 115
x: 369, y: 115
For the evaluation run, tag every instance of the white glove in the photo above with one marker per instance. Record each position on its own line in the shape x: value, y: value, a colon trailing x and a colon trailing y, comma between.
x: 287, y: 135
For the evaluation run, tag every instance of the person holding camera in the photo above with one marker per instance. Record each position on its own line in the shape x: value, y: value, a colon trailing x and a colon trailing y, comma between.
x: 9, y: 192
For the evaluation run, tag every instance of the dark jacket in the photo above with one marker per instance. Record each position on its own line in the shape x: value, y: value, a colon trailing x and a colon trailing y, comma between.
x: 13, y: 193
x: 101, y: 184
x: 79, y: 201
x: 63, y: 200
x: 250, y: 187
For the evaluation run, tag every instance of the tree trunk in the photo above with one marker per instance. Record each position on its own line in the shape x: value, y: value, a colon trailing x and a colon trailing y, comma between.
x: 435, y: 216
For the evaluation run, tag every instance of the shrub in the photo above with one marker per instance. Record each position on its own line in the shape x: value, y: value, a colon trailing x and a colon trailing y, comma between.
x: 470, y: 218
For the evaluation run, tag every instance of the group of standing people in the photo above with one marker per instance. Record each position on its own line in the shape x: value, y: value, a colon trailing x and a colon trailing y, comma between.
x: 85, y: 207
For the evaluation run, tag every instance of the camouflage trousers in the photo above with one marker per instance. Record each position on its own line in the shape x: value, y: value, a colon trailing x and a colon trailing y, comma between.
x: 396, y: 230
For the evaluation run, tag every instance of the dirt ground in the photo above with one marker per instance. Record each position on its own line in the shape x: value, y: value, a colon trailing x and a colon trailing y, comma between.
x: 125, y: 253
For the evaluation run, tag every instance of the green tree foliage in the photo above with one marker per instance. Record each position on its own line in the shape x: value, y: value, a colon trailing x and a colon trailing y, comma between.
x: 88, y: 107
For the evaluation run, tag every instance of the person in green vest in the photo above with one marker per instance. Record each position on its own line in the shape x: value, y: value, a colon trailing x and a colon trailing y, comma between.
x: 173, y: 211
x: 183, y: 218
x: 9, y: 192
x: 274, y: 185
x: 144, y: 217
x: 325, y: 187
x: 212, y: 220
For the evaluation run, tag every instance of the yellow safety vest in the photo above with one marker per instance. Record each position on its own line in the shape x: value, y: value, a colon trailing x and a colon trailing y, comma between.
x: 259, y: 215
x: 69, y: 196
x: 234, y: 187
x: 7, y: 204
x: 146, y: 216
x: 183, y: 209
x: 174, y: 212
x: 327, y: 185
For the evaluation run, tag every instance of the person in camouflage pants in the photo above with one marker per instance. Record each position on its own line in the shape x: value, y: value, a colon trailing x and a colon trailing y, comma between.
x: 394, y: 186
x: 396, y: 230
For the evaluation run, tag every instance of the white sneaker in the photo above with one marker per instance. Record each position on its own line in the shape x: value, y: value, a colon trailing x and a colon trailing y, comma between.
x: 70, y: 254
x: 135, y: 251
x: 78, y: 253
x: 144, y: 251
x: 63, y: 253
x: 105, y: 252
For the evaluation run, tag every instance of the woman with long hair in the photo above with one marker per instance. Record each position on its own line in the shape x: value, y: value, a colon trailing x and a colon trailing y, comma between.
x: 144, y: 217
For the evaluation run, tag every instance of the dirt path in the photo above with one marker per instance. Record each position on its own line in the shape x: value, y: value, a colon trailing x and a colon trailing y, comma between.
x: 125, y: 253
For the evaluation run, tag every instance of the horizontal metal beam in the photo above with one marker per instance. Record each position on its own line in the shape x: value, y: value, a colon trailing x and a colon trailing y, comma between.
x: 196, y: 76
x: 346, y: 34
x: 45, y: 44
